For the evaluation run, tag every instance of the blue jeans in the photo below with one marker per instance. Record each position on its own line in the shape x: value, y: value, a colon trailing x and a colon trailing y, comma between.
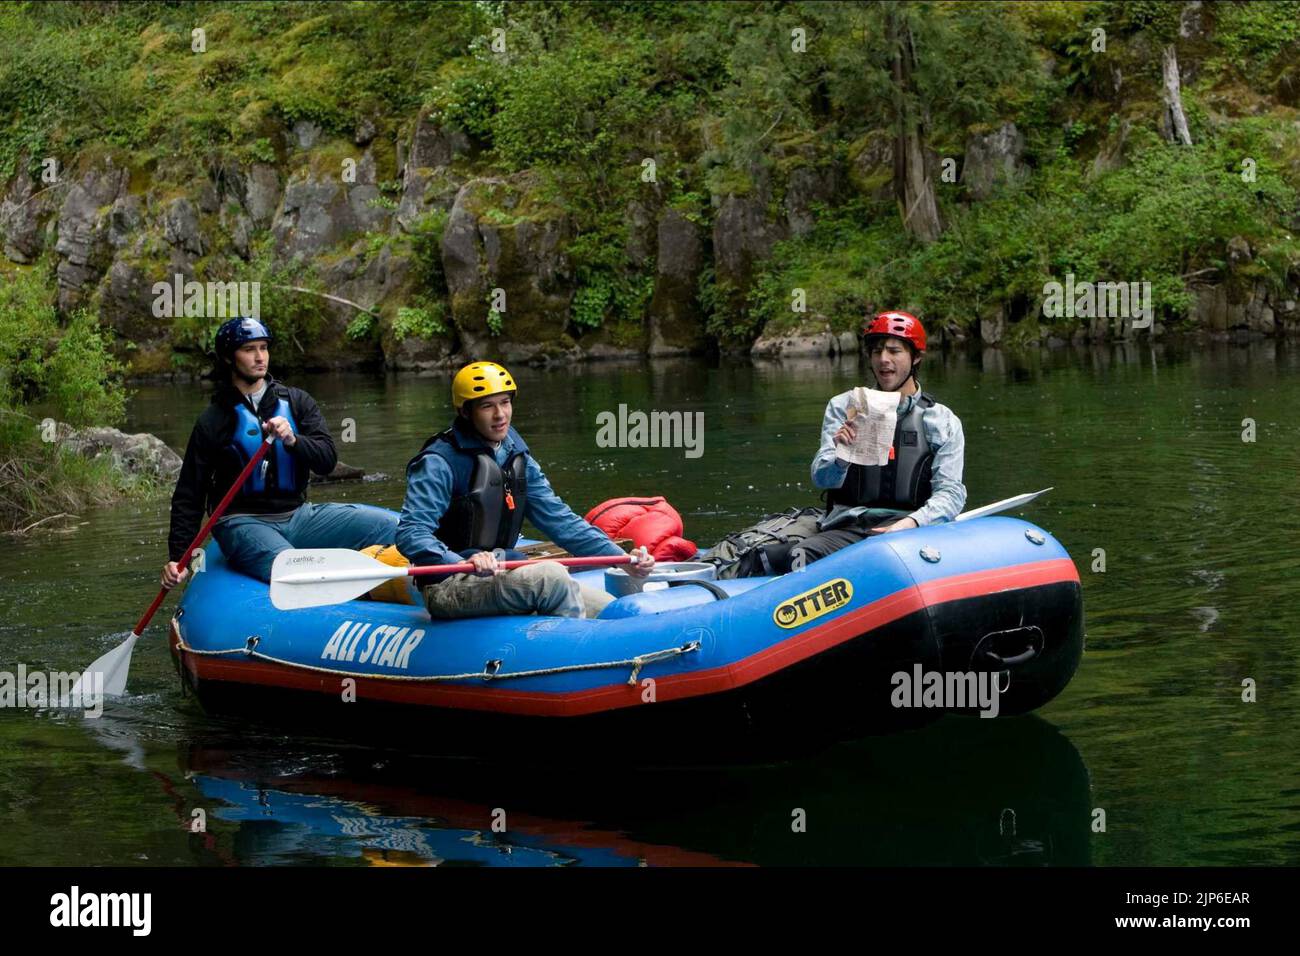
x: 250, y: 542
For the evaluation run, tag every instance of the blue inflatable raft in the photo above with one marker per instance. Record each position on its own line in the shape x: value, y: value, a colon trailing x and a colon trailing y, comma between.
x: 849, y: 645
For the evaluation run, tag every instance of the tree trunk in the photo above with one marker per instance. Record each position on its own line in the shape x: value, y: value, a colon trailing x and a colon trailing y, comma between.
x: 1175, y: 122
x: 912, y: 185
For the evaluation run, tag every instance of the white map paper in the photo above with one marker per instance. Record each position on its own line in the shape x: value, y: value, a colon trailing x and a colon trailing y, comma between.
x: 874, y: 415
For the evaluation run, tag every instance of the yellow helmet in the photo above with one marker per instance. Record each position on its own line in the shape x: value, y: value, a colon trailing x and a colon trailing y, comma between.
x: 479, y: 380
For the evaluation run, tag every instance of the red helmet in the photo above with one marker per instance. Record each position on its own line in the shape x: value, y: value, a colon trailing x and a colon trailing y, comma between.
x: 902, y: 325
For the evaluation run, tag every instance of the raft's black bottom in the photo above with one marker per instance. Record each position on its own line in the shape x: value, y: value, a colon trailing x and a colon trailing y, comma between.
x: 842, y: 694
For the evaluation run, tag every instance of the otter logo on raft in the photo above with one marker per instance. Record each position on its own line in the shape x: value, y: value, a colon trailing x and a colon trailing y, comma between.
x: 813, y: 603
x: 386, y: 645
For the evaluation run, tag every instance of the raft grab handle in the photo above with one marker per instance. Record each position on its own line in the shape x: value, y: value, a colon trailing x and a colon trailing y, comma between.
x: 709, y: 586
x: 1029, y: 637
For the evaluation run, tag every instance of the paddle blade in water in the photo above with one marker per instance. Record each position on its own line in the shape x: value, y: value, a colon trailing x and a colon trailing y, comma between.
x: 114, y: 666
x: 314, y: 577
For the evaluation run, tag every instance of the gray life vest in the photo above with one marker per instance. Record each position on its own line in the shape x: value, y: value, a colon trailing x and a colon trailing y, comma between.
x: 488, y: 501
x: 904, y: 481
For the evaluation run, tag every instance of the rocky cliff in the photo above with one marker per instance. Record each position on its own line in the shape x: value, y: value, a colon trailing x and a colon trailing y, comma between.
x: 400, y: 239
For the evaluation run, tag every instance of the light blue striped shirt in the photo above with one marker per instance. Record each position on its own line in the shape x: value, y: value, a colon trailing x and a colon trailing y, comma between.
x: 943, y: 432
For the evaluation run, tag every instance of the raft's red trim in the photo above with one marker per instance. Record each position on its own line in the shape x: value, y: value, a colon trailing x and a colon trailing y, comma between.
x: 792, y: 650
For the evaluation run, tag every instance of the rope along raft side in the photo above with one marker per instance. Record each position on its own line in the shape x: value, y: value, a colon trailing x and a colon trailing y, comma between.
x: 491, y: 670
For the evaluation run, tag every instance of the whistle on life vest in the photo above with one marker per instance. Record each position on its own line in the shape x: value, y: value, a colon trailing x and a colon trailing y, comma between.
x: 891, y: 452
x: 510, y: 501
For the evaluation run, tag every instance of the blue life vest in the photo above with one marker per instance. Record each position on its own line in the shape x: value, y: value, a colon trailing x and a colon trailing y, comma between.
x: 278, y: 464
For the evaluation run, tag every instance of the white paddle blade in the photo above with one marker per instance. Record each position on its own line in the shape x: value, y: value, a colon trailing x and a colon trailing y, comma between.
x: 113, y: 668
x: 315, y: 577
x: 1005, y: 504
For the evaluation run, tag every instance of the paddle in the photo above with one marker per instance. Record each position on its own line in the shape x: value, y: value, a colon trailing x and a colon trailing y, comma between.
x: 1003, y: 505
x: 312, y: 577
x: 115, y: 665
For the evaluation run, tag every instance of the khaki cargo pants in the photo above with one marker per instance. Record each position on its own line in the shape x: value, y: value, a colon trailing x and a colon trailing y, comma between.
x: 536, y: 589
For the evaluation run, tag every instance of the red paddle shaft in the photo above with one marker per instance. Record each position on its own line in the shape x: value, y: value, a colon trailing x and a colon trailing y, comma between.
x: 467, y: 567
x: 217, y: 512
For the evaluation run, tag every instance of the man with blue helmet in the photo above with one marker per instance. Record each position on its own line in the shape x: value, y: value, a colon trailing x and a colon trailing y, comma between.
x: 270, y: 513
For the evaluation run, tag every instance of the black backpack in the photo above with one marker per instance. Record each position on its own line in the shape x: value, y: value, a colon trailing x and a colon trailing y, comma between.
x: 789, y: 526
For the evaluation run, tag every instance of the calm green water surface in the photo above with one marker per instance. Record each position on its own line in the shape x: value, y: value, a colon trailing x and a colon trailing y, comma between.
x: 1200, y: 592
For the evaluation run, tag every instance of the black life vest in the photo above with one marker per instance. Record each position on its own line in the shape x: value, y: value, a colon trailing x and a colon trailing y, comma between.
x: 902, y: 482
x: 488, y: 501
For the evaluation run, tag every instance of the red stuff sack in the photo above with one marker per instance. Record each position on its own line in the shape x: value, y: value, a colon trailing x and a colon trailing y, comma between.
x: 651, y: 523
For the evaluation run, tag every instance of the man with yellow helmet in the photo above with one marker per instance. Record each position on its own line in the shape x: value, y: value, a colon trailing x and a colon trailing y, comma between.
x: 468, y: 491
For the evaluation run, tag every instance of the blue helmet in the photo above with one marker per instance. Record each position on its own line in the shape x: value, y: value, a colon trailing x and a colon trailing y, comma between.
x: 236, y: 332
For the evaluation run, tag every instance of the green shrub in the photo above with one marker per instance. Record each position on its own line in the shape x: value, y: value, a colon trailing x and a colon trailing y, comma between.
x: 1252, y: 36
x: 361, y: 327
x: 60, y: 371
x: 467, y: 100
x: 423, y: 322
x: 608, y: 289
x: 81, y: 378
x: 42, y: 362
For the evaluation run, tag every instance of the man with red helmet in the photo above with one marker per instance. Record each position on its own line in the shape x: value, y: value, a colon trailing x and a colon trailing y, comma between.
x: 920, y: 484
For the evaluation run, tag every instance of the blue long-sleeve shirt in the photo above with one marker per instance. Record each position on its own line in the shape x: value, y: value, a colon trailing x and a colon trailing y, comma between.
x: 428, y: 493
x: 944, y: 433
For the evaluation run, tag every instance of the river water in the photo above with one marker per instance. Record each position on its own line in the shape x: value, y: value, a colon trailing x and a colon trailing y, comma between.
x: 1149, y: 757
